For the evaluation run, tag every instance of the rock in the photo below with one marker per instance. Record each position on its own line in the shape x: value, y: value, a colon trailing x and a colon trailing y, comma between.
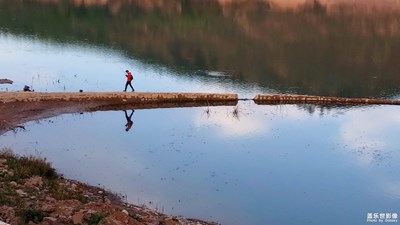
x: 51, y: 221
x: 91, y: 211
x: 26, y: 88
x: 6, y: 81
x: 148, y: 219
x: 77, y: 218
x: 7, y: 213
x: 10, y: 173
x: 48, y: 208
x: 74, y: 187
x: 3, y: 161
x: 50, y: 199
x: 66, y: 208
x: 34, y: 181
x: 21, y: 193
x: 119, y: 218
x: 45, y: 223
x: 171, y: 221
x: 3, y: 171
x: 97, y: 207
x: 126, y: 212
x: 13, y: 184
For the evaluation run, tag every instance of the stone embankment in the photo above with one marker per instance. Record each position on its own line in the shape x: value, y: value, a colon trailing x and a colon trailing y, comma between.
x: 20, y: 107
x: 108, y: 98
x: 309, y: 99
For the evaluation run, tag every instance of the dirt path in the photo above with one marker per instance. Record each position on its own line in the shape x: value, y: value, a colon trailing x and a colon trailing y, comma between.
x: 18, y: 108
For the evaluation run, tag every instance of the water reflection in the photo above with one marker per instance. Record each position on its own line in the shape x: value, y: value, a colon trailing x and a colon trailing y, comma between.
x: 369, y: 139
x: 256, y: 168
x: 334, y: 48
x: 129, y: 122
x: 244, y: 164
x: 50, y: 67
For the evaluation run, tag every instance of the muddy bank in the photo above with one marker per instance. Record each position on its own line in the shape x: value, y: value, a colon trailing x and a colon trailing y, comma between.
x: 18, y: 108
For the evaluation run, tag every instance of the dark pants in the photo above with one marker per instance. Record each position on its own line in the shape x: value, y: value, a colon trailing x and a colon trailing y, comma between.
x: 126, y: 85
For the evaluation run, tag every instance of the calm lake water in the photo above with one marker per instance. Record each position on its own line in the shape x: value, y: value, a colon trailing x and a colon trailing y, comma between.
x: 271, y: 164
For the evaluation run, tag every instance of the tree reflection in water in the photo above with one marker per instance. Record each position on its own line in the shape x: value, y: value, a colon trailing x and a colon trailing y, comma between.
x: 333, y: 48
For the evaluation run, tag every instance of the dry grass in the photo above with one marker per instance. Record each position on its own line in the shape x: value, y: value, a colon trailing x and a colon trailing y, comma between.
x: 21, y: 168
x: 27, y: 166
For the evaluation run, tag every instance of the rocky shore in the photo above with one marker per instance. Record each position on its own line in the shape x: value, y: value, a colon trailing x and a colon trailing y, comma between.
x: 31, y: 192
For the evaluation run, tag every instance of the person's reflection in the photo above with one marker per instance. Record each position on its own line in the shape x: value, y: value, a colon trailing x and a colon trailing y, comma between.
x: 129, y: 122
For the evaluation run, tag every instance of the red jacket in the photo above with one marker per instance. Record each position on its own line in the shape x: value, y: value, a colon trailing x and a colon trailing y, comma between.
x: 129, y: 77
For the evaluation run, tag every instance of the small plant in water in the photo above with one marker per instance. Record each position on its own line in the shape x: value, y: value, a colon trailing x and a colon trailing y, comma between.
x: 235, y: 113
x: 207, y: 112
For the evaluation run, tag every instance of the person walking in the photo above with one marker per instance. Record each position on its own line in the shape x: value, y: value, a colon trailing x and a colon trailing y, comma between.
x: 129, y: 79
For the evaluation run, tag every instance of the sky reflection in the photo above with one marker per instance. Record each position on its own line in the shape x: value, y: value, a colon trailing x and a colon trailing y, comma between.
x: 54, y: 67
x: 272, y: 164
x: 372, y: 135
